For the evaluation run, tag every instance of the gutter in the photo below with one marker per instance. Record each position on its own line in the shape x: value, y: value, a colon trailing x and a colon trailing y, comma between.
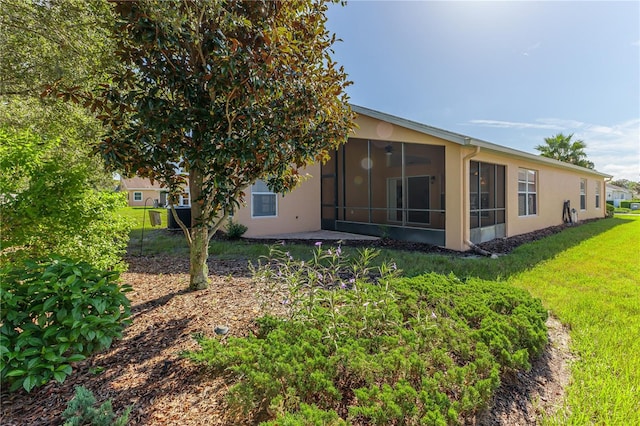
x: 465, y: 192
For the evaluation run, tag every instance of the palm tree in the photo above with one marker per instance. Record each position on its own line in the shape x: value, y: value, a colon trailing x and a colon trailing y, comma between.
x: 561, y: 147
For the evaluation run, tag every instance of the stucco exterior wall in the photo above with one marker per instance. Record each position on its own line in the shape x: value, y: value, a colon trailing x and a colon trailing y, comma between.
x: 300, y: 210
x: 153, y: 194
x: 554, y: 186
x: 297, y: 211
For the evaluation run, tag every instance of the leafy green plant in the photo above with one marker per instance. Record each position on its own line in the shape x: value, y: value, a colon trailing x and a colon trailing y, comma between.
x: 235, y: 230
x: 81, y: 410
x: 354, y: 339
x: 610, y: 209
x: 54, y: 313
x: 289, y: 283
x: 49, y: 206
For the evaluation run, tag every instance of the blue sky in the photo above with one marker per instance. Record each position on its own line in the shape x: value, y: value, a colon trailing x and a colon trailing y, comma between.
x: 511, y: 73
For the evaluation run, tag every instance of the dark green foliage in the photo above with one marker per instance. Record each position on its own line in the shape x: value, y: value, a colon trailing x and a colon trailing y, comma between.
x: 81, y: 411
x: 562, y: 148
x: 54, y: 313
x: 626, y: 204
x: 308, y: 415
x: 610, y: 209
x: 427, y: 350
x: 235, y: 230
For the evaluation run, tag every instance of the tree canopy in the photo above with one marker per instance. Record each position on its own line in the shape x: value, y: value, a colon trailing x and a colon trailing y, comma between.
x: 228, y: 92
x: 54, y: 42
x: 563, y: 148
x: 50, y: 187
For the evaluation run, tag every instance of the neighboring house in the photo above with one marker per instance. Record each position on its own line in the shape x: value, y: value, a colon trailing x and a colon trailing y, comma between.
x: 410, y: 181
x: 141, y: 192
x: 615, y: 194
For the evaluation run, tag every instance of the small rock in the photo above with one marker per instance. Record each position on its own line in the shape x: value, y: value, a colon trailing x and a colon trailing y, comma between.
x: 221, y: 329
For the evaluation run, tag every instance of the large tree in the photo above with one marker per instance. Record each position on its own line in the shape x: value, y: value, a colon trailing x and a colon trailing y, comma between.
x: 47, y: 42
x: 228, y: 92
x: 54, y: 196
x: 561, y: 147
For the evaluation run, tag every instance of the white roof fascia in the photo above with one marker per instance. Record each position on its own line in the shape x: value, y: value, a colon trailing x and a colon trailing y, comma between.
x: 469, y: 141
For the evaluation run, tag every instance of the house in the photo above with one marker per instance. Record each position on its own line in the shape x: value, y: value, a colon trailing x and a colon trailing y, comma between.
x: 141, y: 192
x: 410, y: 181
x: 615, y: 194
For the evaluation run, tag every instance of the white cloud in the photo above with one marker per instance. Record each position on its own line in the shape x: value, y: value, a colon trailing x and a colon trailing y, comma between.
x: 531, y: 48
x: 614, y: 149
x: 514, y: 124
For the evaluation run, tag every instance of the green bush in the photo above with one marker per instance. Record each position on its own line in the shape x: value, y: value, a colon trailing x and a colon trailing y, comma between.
x: 382, y: 350
x: 49, y: 205
x: 235, y: 230
x: 81, y: 411
x: 610, y: 210
x: 54, y: 313
x: 626, y: 204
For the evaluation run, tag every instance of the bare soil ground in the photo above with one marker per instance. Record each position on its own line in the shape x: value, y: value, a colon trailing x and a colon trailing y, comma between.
x: 145, y: 369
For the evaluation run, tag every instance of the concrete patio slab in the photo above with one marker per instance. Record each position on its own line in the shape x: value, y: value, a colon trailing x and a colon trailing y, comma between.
x: 318, y: 236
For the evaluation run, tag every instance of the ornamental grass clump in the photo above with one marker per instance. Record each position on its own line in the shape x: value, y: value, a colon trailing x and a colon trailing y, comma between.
x: 355, y: 343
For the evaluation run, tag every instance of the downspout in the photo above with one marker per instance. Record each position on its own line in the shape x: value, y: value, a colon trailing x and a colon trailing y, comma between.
x: 465, y: 193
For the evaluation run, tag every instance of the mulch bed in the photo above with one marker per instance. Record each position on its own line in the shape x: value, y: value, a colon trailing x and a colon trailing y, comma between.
x: 145, y: 369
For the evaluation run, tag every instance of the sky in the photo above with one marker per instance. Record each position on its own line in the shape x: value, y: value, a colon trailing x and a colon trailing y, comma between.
x: 506, y: 72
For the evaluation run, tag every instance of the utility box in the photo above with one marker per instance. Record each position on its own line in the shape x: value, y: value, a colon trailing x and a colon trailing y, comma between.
x: 184, y: 214
x: 634, y: 206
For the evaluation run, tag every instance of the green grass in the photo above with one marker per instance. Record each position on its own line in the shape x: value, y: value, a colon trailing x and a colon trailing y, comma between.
x: 593, y: 287
x: 586, y: 275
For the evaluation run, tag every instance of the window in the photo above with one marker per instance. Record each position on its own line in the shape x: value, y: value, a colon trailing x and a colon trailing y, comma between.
x: 527, y: 192
x: 263, y: 202
x: 583, y: 194
x: 598, y: 196
x: 137, y: 196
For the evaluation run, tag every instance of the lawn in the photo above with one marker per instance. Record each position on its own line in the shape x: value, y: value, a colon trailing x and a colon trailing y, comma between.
x: 587, y: 276
x: 593, y: 287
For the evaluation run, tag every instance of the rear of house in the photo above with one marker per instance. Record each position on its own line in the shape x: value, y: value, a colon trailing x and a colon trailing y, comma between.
x: 409, y: 181
x: 141, y: 192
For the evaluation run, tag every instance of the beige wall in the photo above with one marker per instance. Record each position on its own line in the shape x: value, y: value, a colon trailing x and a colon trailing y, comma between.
x: 554, y: 186
x: 298, y: 211
x: 153, y: 194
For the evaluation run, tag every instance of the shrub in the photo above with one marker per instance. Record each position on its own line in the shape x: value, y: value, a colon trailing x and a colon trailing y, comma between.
x: 610, y: 210
x: 48, y: 205
x: 379, y: 350
x: 235, y: 230
x: 81, y: 411
x: 54, y: 313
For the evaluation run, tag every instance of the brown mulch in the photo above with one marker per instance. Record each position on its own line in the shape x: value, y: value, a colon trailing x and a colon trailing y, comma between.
x: 145, y: 369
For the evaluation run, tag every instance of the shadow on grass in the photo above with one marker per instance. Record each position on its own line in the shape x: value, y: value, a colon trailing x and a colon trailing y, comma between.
x: 522, y: 258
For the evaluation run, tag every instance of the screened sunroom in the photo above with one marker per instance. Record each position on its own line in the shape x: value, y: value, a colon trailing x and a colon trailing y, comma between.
x: 385, y: 188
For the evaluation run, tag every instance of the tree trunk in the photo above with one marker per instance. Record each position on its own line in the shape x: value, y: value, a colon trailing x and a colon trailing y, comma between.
x: 199, y: 248
x: 198, y: 255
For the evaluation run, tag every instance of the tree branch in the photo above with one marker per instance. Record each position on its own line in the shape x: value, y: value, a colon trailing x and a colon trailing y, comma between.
x: 181, y: 224
x: 217, y: 225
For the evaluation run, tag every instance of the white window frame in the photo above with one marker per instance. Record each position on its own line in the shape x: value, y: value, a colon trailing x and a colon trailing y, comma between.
x: 135, y: 196
x: 583, y: 194
x: 527, y: 193
x: 262, y: 193
x: 598, y: 195
x: 185, y: 199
